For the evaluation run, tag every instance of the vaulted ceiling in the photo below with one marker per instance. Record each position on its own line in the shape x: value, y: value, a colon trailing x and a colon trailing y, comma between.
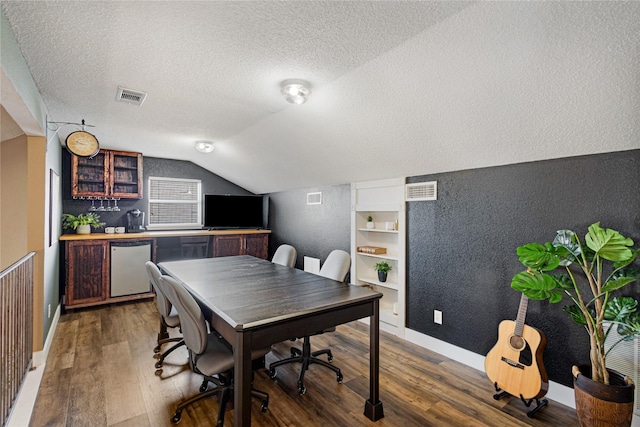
x: 399, y: 88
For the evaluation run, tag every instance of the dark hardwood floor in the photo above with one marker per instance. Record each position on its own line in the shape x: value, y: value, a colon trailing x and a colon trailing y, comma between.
x: 100, y: 372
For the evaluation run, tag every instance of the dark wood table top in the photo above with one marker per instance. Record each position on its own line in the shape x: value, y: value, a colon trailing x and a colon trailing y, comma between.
x: 248, y: 292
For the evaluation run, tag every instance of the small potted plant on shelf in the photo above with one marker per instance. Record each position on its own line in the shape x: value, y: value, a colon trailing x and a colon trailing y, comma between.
x: 82, y: 223
x: 594, y: 269
x: 383, y: 268
x: 370, y: 222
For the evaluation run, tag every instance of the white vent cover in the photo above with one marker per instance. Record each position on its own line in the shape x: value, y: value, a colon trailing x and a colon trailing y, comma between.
x: 314, y: 198
x: 130, y: 96
x: 421, y: 191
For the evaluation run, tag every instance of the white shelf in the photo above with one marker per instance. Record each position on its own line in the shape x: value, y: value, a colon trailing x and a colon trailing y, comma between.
x: 383, y: 201
x: 389, y: 317
x: 376, y: 282
x: 380, y: 256
x: 378, y: 230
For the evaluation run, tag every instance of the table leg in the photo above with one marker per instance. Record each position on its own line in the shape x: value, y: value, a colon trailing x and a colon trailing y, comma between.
x: 373, y: 406
x: 242, y: 379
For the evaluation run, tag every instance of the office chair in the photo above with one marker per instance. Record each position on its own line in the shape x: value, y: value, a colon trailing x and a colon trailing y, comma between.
x: 285, y: 255
x: 209, y: 354
x: 194, y: 246
x: 168, y: 314
x: 335, y: 267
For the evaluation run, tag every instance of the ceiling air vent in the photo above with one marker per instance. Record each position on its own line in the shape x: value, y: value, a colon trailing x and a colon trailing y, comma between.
x: 421, y: 191
x: 314, y: 198
x: 130, y: 96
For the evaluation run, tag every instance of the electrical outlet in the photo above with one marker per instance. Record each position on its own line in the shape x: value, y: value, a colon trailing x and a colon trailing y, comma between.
x: 49, y: 312
x: 437, y: 317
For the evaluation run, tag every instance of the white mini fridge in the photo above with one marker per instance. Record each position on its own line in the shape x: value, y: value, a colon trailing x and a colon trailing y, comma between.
x: 128, y: 272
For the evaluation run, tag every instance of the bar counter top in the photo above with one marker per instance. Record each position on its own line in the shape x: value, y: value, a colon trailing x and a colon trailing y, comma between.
x: 157, y: 234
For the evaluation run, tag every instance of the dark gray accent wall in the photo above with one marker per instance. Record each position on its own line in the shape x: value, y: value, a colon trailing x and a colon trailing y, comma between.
x: 314, y: 230
x: 461, y: 249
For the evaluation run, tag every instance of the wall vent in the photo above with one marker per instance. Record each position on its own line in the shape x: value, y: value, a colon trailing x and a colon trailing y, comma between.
x: 130, y: 96
x: 421, y: 191
x: 314, y: 198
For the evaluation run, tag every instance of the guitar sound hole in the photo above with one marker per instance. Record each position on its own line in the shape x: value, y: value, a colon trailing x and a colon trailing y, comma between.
x: 521, y: 345
x: 516, y: 342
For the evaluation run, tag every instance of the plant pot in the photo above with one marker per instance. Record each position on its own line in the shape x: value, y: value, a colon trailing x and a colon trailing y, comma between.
x: 382, y: 276
x: 603, y: 405
x: 370, y: 224
x: 83, y: 229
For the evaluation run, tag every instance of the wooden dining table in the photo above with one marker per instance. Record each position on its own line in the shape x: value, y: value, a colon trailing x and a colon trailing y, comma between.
x: 254, y: 303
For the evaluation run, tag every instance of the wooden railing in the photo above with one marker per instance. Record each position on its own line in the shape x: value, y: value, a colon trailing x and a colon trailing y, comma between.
x: 16, y: 330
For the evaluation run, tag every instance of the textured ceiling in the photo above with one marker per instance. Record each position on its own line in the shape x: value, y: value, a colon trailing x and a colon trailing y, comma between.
x: 399, y: 88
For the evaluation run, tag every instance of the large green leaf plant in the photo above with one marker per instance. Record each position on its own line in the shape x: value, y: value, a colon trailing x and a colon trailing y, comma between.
x: 593, y: 270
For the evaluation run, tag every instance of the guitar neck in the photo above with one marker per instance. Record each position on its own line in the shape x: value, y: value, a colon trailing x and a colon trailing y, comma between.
x: 522, y: 314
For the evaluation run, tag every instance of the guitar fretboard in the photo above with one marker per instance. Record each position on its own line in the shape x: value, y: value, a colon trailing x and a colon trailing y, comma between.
x: 522, y: 314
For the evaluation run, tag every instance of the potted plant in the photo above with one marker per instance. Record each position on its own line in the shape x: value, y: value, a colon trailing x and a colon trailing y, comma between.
x: 593, y: 271
x: 383, y: 268
x: 370, y: 222
x: 82, y: 223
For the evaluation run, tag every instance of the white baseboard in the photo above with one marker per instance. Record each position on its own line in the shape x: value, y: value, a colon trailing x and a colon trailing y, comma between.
x: 21, y: 412
x: 40, y: 357
x: 557, y: 392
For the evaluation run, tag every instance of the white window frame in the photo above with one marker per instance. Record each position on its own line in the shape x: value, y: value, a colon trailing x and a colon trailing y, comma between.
x: 177, y: 225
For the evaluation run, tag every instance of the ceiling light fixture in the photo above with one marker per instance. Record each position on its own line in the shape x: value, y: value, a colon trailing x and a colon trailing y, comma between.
x: 204, y: 146
x: 295, y: 91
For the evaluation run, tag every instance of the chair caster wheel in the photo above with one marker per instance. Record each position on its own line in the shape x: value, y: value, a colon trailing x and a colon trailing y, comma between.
x: 156, y: 349
x: 330, y: 358
x: 264, y: 406
x: 302, y: 389
x: 158, y: 372
x: 273, y: 373
x: 158, y: 364
x: 203, y: 388
x: 176, y: 417
x: 339, y: 378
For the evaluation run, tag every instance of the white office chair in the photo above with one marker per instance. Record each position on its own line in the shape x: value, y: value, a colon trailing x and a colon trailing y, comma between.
x: 209, y: 354
x: 168, y: 315
x: 285, y: 255
x: 335, y: 267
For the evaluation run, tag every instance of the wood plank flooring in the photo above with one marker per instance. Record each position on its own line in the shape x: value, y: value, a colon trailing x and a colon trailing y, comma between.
x: 100, y: 372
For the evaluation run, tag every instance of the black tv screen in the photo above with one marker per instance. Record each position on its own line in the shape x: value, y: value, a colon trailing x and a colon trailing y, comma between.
x: 229, y: 211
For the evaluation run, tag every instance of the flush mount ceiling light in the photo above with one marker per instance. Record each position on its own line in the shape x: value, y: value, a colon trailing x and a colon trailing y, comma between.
x: 204, y: 146
x: 295, y: 91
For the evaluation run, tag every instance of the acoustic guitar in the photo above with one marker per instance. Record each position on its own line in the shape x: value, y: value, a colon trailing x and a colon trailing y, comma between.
x: 515, y: 364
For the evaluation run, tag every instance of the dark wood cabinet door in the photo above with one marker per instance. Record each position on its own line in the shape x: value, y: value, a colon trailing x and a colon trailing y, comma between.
x: 256, y: 245
x: 90, y: 176
x: 125, y: 179
x: 230, y: 245
x: 87, y: 275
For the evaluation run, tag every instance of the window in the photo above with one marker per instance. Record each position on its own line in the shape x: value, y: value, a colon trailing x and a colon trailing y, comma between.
x: 174, y: 203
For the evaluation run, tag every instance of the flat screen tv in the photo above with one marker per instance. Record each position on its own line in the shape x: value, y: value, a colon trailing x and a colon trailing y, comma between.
x: 229, y: 211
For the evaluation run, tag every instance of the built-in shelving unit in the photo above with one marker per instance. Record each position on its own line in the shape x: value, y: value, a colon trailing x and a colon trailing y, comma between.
x: 384, y: 201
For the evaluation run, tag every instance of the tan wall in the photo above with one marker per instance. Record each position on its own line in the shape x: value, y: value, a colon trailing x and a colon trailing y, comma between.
x: 22, y: 211
x: 13, y: 200
x: 35, y: 217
